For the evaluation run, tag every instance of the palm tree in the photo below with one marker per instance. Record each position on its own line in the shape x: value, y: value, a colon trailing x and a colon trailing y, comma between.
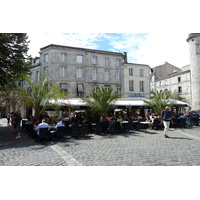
x: 158, y: 100
x: 38, y: 95
x: 101, y: 101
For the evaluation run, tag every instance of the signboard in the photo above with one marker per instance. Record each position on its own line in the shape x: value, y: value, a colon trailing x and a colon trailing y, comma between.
x: 136, y: 95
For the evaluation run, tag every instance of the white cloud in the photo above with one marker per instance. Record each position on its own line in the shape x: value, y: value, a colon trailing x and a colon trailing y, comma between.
x: 39, y: 40
x: 153, y: 49
x: 165, y: 47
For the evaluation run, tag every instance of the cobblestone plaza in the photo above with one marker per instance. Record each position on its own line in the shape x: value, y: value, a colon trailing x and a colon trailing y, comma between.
x: 134, y: 148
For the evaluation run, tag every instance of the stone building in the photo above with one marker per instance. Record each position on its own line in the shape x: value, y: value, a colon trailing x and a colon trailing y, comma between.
x: 80, y: 70
x: 194, y: 49
x: 160, y: 72
x: 136, y: 80
x: 177, y: 81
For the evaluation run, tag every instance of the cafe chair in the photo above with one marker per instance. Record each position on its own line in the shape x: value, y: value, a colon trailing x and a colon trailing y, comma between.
x: 99, y: 129
x: 130, y: 125
x: 175, y: 123
x: 75, y: 130
x: 60, y: 131
x: 43, y: 134
x: 143, y: 127
x: 118, y: 127
x: 84, y: 129
x: 182, y: 122
x: 157, y: 124
x: 195, y: 120
x: 135, y: 125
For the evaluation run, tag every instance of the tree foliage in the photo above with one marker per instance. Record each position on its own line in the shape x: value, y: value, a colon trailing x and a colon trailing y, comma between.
x: 101, y: 101
x: 14, y: 61
x: 158, y: 100
x: 39, y: 94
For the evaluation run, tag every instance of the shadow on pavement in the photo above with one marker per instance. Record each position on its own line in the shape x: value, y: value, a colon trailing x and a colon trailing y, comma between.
x: 8, y: 140
x: 125, y: 134
x: 182, y: 138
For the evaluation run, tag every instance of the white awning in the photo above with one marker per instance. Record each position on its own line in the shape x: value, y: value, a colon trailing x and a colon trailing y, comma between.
x: 72, y: 101
x: 130, y: 102
x: 118, y: 103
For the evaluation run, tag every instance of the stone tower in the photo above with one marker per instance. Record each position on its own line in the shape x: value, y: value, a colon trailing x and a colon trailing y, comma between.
x: 194, y: 48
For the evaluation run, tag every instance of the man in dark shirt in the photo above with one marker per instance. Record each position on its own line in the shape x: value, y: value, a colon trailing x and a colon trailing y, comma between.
x: 166, y: 118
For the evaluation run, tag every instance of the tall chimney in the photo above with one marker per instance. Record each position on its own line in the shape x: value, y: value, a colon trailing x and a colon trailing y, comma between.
x: 125, y: 57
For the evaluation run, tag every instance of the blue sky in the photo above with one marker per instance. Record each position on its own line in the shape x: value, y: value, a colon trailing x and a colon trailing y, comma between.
x: 143, y: 48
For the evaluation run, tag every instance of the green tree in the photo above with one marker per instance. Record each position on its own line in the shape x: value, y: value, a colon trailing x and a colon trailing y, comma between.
x: 39, y: 94
x: 14, y: 61
x: 101, y: 101
x: 158, y: 100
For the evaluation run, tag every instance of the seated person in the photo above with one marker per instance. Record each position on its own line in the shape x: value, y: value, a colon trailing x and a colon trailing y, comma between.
x: 42, y: 125
x: 58, y: 124
x: 120, y: 119
x: 182, y: 116
x: 147, y: 117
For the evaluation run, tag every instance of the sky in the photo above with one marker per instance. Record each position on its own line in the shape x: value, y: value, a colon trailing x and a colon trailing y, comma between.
x: 152, y: 49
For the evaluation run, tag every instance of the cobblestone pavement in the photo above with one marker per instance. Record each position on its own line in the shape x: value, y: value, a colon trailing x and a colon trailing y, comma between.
x: 125, y: 149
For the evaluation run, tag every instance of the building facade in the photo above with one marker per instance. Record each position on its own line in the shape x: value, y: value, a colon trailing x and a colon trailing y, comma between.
x: 177, y: 81
x: 79, y: 70
x: 136, y: 80
x: 161, y: 71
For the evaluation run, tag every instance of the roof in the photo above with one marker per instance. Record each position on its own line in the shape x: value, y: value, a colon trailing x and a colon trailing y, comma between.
x: 136, y: 64
x: 80, y: 49
x: 192, y: 35
x: 174, y: 74
x: 166, y: 64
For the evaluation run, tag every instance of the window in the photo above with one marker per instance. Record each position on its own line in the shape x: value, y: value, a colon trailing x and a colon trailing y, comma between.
x: 179, y: 79
x: 141, y: 86
x: 62, y: 72
x: 80, y: 90
x: 37, y: 78
x: 95, y: 88
x: 141, y: 72
x: 197, y: 48
x: 20, y: 83
x: 94, y: 74
x: 107, y: 87
x: 131, y: 85
x: 107, y: 61
x: 45, y: 70
x: 180, y: 89
x: 79, y: 73
x: 63, y: 86
x: 130, y: 71
x: 118, y: 63
x: 79, y: 59
x: 63, y: 57
x: 118, y: 77
x: 94, y: 60
x: 107, y: 75
x: 119, y: 91
x: 46, y: 57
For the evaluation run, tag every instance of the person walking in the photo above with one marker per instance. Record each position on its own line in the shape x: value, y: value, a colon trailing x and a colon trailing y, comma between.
x: 8, y: 119
x: 166, y: 118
